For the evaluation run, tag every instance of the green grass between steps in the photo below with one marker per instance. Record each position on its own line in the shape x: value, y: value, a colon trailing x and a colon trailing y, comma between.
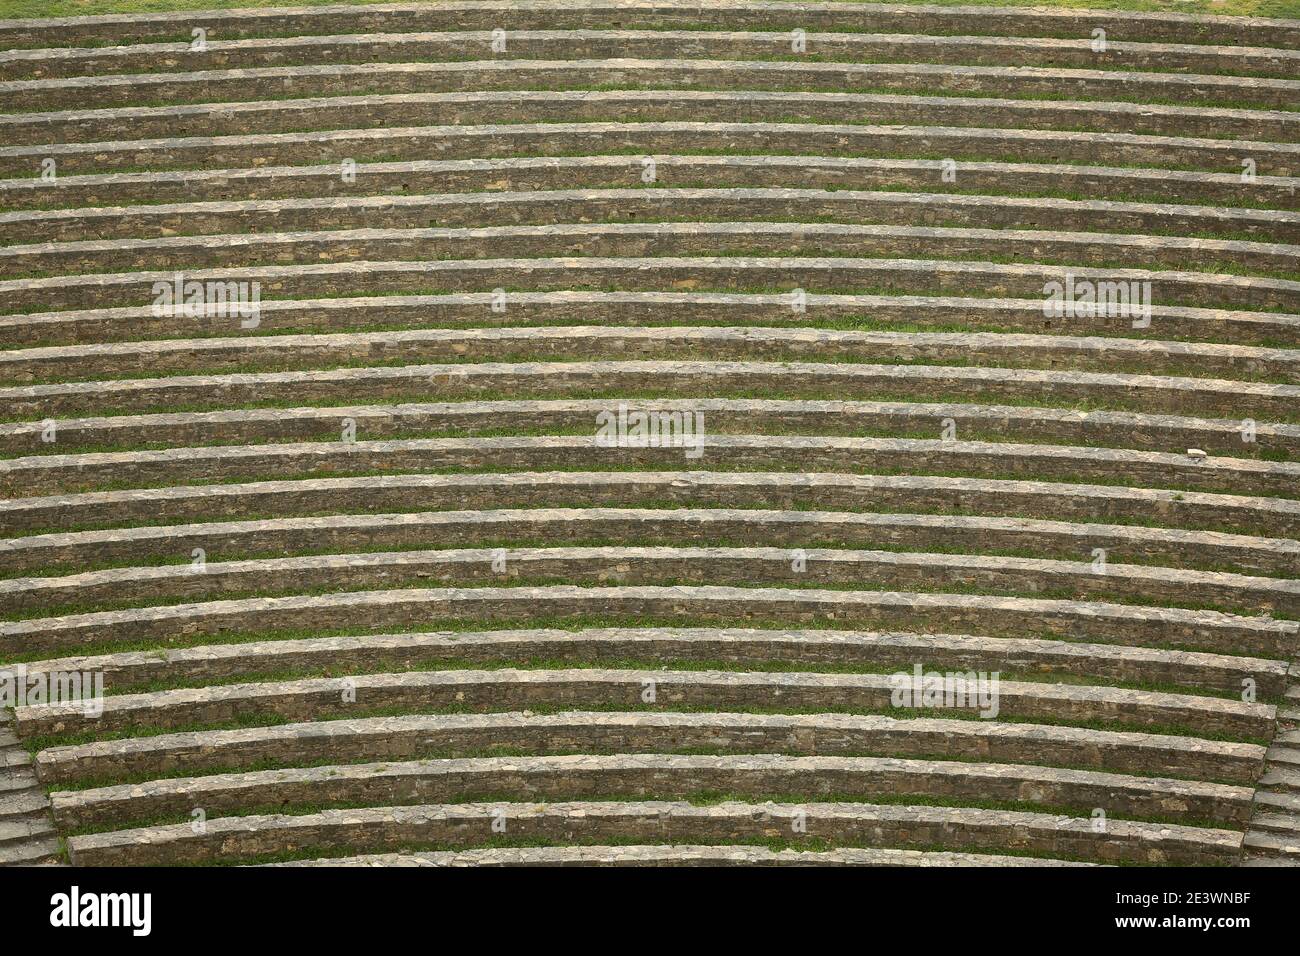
x: 459, y: 753
x: 493, y: 538
x: 35, y: 744
x: 444, y: 662
x: 702, y: 501
x: 699, y: 798
x: 306, y: 474
x: 329, y: 432
x: 74, y: 8
x: 404, y: 580
x: 468, y: 625
x: 384, y: 187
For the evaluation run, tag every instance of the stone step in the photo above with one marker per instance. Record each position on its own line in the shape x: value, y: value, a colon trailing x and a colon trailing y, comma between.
x: 621, y: 239
x: 1272, y: 845
x: 511, y: 689
x: 1203, y: 361
x: 680, y: 378
x: 489, y: 157
x: 403, y: 738
x: 558, y: 206
x: 1251, y: 859
x: 684, y: 604
x: 984, y: 122
x: 818, y: 490
x: 665, y: 203
x: 609, y: 172
x: 649, y: 310
x: 1282, y: 779
x: 743, y: 647
x: 1279, y: 823
x: 1285, y: 802
x: 209, y: 86
x: 1284, y: 756
x: 46, y: 474
x: 825, y: 418
x: 33, y: 852
x: 14, y: 759
x: 18, y: 831
x: 27, y: 802
x: 658, y: 273
x: 678, y: 855
x: 553, y: 44
x: 517, y: 15
x: 877, y: 827
x: 653, y: 565
x: 644, y: 776
x: 60, y: 553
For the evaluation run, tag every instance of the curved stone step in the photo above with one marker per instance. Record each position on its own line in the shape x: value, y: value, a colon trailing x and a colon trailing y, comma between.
x: 647, y: 310
x: 399, y: 738
x: 391, y: 610
x: 996, y: 122
x: 669, y: 378
x: 787, y: 490
x: 655, y: 565
x: 611, y: 172
x: 747, y: 203
x: 1281, y: 846
x: 38, y: 851
x: 1069, y: 157
x: 743, y: 647
x: 680, y: 855
x: 324, y: 80
x: 644, y: 776
x: 73, y: 472
x: 1230, y: 437
x: 725, y: 823
x: 569, y: 14
x: 731, y: 44
x: 1201, y: 361
x: 618, y: 239
x: 379, y: 531
x: 323, y: 698
x: 658, y: 273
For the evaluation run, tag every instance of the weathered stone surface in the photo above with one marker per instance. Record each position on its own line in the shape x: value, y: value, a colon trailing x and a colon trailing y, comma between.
x: 550, y: 44
x: 1205, y: 361
x: 656, y: 273
x: 395, y: 738
x: 668, y: 776
x: 638, y: 122
x: 224, y: 541
x: 52, y: 473
x: 568, y: 205
x: 387, y: 610
x: 739, y: 566
x: 678, y: 855
x: 573, y: 14
x: 744, y: 647
x: 787, y: 490
x: 623, y: 239
x: 672, y: 823
x: 510, y: 689
x: 559, y: 172
x: 206, y: 86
